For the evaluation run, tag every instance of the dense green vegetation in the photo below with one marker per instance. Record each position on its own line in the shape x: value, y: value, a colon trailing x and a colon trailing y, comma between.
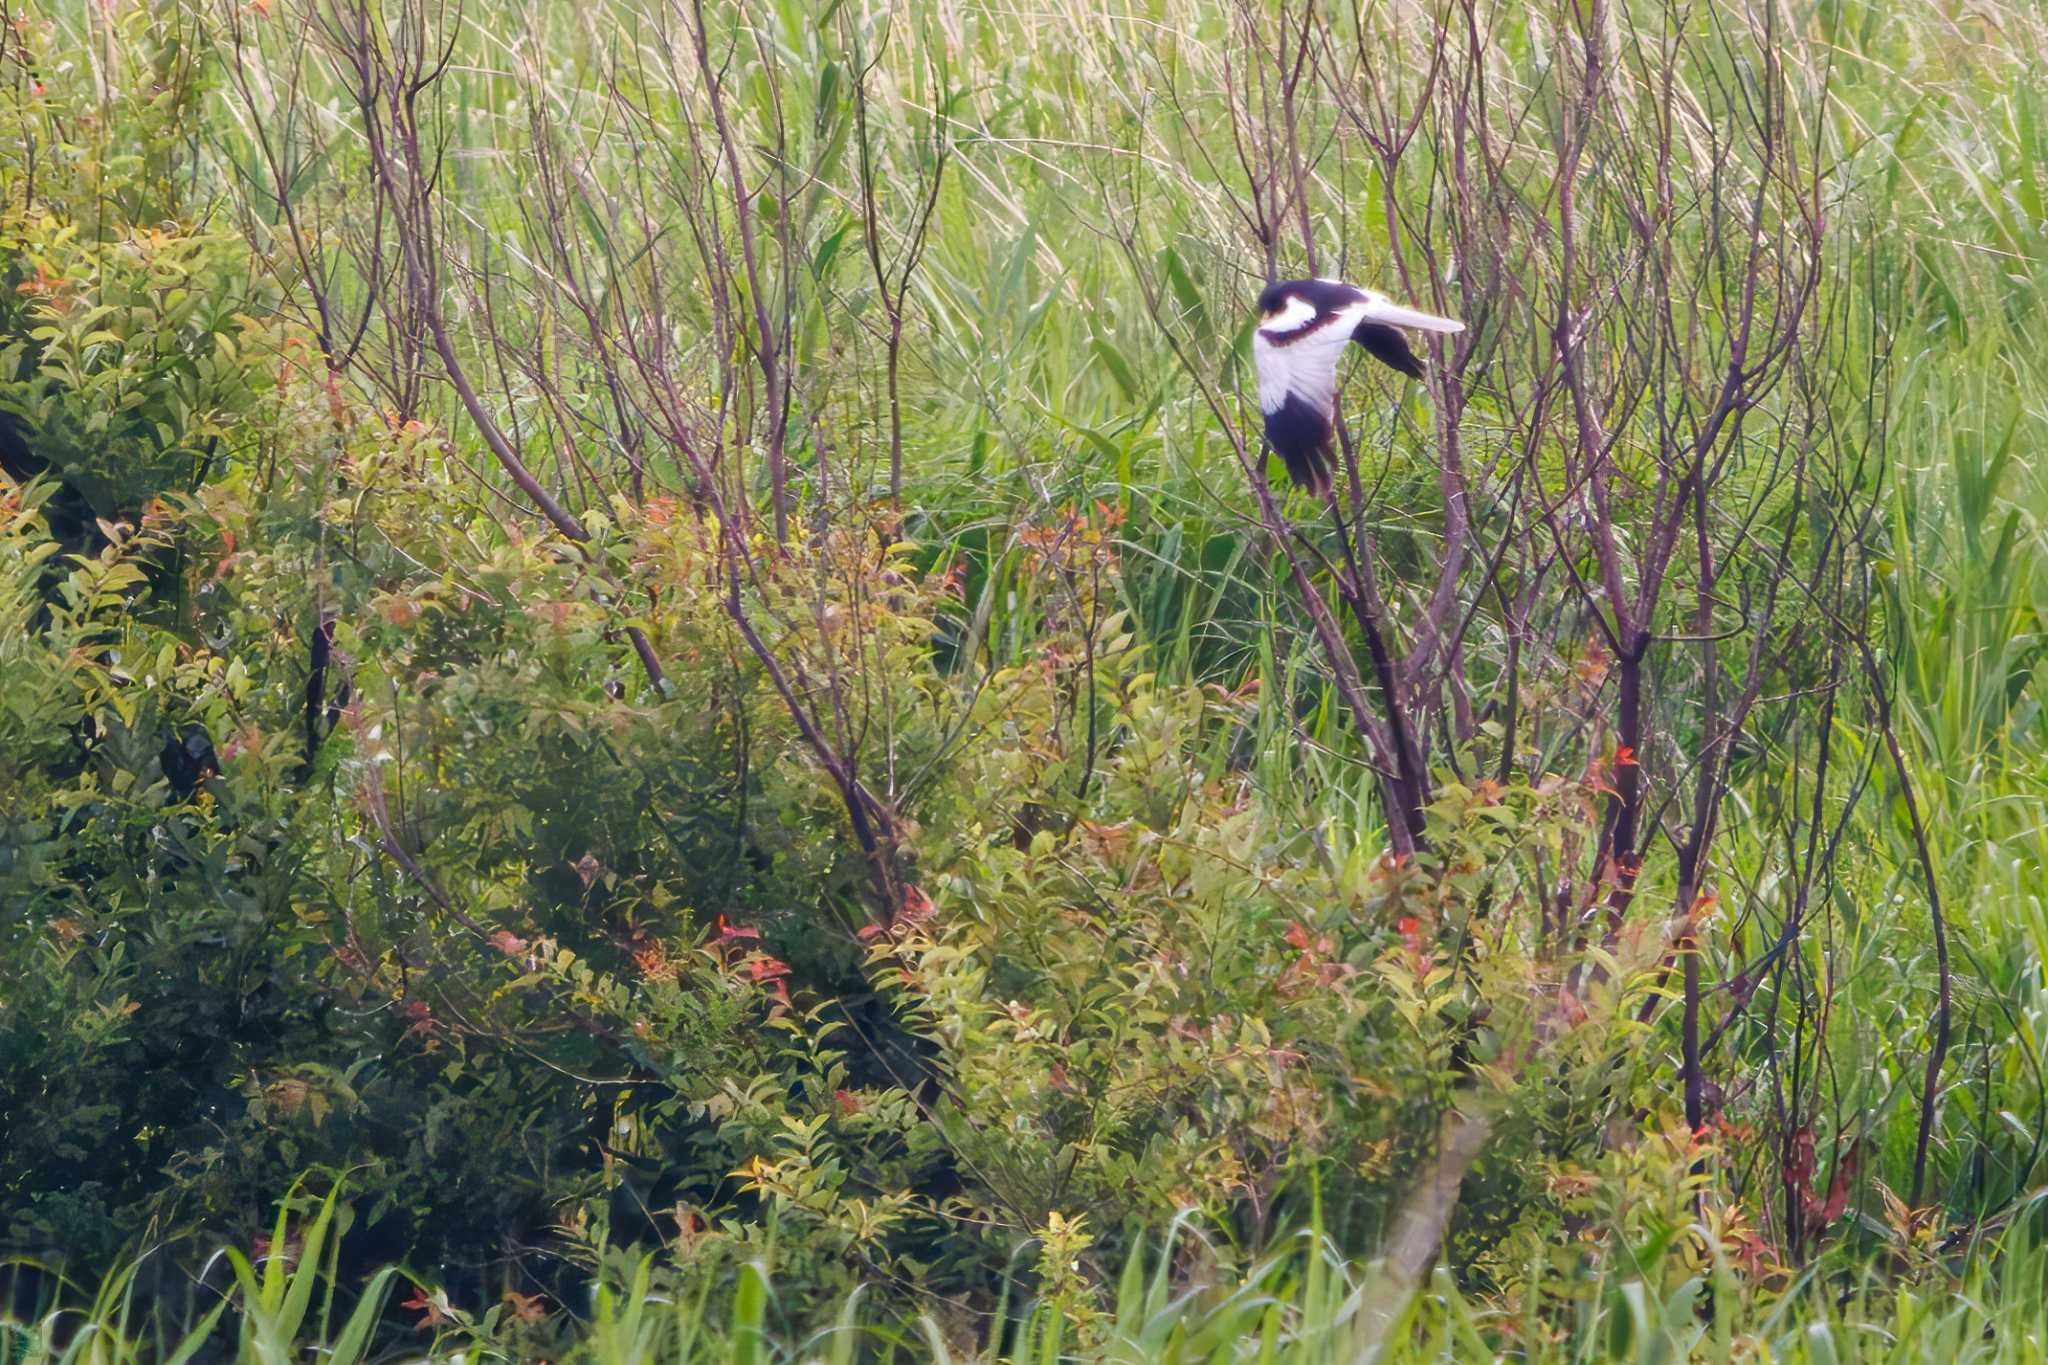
x: 654, y: 702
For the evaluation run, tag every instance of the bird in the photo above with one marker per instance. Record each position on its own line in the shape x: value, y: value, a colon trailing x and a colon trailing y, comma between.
x: 1303, y: 328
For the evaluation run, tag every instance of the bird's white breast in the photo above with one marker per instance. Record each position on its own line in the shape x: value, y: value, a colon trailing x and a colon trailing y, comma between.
x: 1291, y: 363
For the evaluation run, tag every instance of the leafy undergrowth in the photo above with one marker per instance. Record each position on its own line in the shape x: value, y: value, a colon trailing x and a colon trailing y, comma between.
x: 1177, y: 1299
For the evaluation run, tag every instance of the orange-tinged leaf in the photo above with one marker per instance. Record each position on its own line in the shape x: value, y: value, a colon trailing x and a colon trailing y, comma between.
x: 433, y: 1310
x: 526, y: 1307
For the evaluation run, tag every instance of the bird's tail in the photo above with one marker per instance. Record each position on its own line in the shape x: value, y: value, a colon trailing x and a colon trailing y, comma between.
x: 1310, y: 468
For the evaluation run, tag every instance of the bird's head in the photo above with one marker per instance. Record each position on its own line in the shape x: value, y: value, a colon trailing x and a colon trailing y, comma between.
x: 1287, y: 305
x: 1290, y: 304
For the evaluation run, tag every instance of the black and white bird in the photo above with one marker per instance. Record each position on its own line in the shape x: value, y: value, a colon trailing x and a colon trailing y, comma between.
x: 1304, y: 326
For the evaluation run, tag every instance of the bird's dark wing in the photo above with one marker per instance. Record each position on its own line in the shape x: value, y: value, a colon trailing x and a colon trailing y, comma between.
x: 1388, y: 346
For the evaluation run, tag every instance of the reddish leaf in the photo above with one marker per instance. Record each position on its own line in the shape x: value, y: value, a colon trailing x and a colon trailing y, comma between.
x: 526, y: 1307
x: 422, y: 1016
x: 916, y: 905
x: 431, y: 1313
x: 727, y: 933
